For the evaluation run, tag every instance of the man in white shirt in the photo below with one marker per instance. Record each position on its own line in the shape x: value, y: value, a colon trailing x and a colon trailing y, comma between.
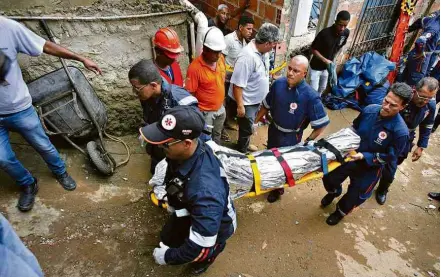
x: 17, y: 113
x: 235, y: 41
x: 250, y: 82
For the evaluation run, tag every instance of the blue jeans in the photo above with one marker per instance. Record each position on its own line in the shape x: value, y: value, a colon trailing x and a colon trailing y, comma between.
x: 15, y: 258
x: 28, y: 125
x: 245, y: 124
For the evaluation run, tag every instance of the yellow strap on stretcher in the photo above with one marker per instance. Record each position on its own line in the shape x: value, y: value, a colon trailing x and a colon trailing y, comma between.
x: 256, y: 174
x: 308, y: 177
x: 230, y: 69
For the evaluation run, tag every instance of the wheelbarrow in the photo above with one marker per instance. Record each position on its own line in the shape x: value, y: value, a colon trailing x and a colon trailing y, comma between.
x: 68, y: 106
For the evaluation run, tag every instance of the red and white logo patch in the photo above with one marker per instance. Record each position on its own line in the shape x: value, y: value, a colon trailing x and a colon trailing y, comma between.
x: 168, y: 122
x: 426, y: 114
x: 382, y: 135
x: 293, y: 106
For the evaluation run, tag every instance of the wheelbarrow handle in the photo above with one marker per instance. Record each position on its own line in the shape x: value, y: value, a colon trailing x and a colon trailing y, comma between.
x: 47, y: 30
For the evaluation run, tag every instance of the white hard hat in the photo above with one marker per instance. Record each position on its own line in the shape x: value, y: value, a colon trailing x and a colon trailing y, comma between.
x: 214, y: 39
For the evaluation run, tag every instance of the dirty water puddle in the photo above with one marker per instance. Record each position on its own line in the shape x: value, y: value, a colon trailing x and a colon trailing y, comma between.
x: 378, y: 262
x: 35, y: 222
x: 106, y: 192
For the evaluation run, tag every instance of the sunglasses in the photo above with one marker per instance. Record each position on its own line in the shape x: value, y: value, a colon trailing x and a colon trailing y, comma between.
x: 168, y: 144
x: 421, y: 97
x: 139, y: 89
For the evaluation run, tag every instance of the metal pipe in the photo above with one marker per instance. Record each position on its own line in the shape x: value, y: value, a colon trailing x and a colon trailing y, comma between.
x: 192, y: 41
x: 202, y: 25
x: 93, y: 18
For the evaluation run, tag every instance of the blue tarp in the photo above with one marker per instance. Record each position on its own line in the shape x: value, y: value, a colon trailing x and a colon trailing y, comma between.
x: 370, y: 67
x: 367, y: 73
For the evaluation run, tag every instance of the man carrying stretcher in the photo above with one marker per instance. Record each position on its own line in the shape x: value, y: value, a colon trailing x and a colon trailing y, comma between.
x: 384, y: 135
x: 293, y: 105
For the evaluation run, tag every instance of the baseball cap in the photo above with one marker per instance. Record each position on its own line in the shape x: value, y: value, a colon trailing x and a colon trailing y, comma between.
x: 181, y: 122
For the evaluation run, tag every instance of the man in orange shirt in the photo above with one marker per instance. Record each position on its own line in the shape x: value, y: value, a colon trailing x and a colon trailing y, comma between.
x: 206, y: 81
x: 167, y: 50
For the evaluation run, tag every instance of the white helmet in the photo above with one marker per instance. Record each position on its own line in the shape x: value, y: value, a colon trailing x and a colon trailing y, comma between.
x: 214, y: 39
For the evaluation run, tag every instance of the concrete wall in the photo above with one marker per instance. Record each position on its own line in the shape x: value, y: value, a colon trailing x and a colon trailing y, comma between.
x: 115, y: 46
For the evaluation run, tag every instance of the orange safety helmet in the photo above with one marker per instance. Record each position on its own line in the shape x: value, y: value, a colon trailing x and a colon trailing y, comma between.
x: 167, y: 39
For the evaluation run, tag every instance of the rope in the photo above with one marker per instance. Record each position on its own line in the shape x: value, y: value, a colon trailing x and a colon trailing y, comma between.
x: 125, y: 145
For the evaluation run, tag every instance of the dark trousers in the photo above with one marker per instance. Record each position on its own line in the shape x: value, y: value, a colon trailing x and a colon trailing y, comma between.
x: 245, y: 124
x: 278, y: 138
x: 362, y: 182
x: 177, y: 229
x: 388, y: 175
x: 436, y: 123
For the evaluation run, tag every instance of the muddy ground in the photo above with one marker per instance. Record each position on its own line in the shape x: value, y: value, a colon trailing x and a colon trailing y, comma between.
x: 108, y: 227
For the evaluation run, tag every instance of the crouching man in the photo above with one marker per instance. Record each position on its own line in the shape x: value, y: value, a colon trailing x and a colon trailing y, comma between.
x: 203, y: 215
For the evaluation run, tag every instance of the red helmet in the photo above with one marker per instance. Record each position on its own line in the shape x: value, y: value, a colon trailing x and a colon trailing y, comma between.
x: 167, y: 39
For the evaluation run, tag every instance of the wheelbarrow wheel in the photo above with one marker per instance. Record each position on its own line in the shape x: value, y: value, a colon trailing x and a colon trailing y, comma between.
x: 101, y: 162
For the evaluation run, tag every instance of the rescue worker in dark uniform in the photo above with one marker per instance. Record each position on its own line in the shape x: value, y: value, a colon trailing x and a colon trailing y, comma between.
x: 436, y: 74
x: 420, y: 112
x: 203, y: 216
x: 156, y: 96
x: 375, y: 96
x: 383, y: 135
x: 431, y: 32
x: 293, y: 105
x: 418, y: 63
x: 426, y: 51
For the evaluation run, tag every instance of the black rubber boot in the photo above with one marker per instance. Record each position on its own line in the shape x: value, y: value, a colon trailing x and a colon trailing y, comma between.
x: 66, y: 181
x: 381, y: 197
x: 27, y: 197
x: 275, y: 195
x: 199, y: 268
x: 327, y: 199
x: 382, y: 190
x: 434, y: 195
x: 334, y: 218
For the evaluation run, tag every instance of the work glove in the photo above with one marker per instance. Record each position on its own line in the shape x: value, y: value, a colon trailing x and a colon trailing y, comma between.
x: 159, y: 253
x: 142, y: 142
x: 254, y: 128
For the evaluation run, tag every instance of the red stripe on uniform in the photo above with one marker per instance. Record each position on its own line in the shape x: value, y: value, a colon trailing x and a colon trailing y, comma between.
x: 375, y: 181
x: 200, y: 255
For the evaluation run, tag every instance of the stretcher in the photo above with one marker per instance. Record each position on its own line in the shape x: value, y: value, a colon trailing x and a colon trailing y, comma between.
x: 263, y: 171
x: 230, y: 69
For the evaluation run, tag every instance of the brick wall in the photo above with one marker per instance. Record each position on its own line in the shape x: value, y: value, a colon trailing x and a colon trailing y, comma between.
x: 260, y: 10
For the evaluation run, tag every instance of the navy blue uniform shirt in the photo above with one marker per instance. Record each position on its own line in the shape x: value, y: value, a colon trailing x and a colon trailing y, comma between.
x: 171, y: 96
x: 382, y: 140
x: 206, y: 200
x: 295, y: 108
x: 423, y: 117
